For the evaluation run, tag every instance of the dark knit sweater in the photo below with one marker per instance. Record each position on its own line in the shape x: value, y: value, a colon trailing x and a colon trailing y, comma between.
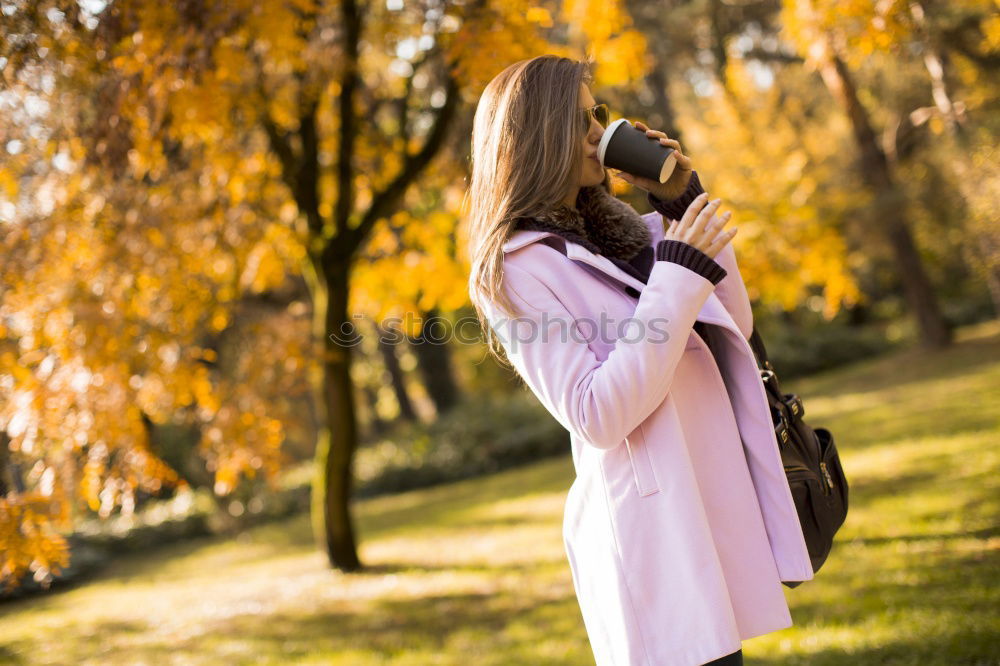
x: 674, y: 250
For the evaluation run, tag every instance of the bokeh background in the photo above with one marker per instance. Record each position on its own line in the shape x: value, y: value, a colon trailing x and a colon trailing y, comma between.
x: 245, y: 412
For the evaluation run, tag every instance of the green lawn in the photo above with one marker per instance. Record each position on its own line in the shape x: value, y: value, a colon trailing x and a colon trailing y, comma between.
x: 474, y: 572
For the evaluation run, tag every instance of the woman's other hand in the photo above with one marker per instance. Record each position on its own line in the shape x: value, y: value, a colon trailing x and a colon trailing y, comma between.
x: 678, y: 180
x: 699, y: 226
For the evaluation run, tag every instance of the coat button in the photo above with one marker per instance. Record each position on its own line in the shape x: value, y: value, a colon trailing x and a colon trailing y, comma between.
x: 632, y: 291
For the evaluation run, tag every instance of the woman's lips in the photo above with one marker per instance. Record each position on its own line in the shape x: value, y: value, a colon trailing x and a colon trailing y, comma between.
x: 594, y: 157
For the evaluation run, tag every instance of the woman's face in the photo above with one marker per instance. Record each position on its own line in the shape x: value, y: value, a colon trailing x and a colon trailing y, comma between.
x: 591, y: 171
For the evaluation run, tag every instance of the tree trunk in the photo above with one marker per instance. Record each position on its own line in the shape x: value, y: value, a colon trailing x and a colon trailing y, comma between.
x: 391, y: 362
x: 7, y: 483
x: 337, y: 434
x: 434, y: 360
x: 376, y: 426
x: 890, y: 208
x: 982, y: 250
x: 332, y: 244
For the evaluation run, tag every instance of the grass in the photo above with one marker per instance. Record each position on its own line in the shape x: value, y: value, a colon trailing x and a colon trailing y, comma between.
x: 474, y: 572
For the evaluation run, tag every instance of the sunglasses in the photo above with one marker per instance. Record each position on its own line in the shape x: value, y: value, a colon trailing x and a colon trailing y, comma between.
x: 598, y: 112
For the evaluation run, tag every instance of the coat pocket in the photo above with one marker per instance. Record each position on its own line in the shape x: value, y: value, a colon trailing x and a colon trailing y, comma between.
x: 642, y: 466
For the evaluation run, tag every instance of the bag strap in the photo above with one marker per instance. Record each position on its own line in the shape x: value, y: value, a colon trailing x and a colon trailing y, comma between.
x: 767, y: 373
x: 757, y: 344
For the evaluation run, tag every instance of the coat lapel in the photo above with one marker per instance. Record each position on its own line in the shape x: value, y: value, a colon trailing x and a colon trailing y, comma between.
x: 712, y: 311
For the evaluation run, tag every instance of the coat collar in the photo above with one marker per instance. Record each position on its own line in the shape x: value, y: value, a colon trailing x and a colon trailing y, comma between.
x: 599, y: 221
x: 603, y: 225
x: 712, y: 311
x: 572, y: 250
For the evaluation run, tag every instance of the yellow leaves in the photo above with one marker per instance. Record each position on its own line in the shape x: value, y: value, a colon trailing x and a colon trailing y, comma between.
x: 204, y: 393
x: 491, y: 39
x: 991, y: 33
x: 225, y: 480
x: 236, y: 188
x: 263, y: 270
x: 288, y: 212
x: 8, y: 184
x: 220, y: 319
x: 156, y: 239
x: 28, y: 541
x: 167, y: 258
x: 839, y: 290
x: 539, y: 15
x: 306, y: 6
x: 119, y: 281
x: 147, y: 156
x: 620, y: 59
x: 599, y: 19
x: 92, y: 480
x: 795, y: 161
x: 240, y: 441
x: 22, y: 375
x: 618, y: 49
x: 739, y: 79
x: 283, y: 106
x: 782, y: 185
x: 800, y: 196
x: 231, y: 60
x: 860, y: 28
x: 275, y: 431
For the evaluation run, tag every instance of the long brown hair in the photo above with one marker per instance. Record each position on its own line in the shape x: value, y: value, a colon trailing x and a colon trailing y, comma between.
x: 526, y: 152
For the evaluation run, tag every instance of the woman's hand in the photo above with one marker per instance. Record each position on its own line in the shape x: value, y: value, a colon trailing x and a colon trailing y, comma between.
x: 678, y: 180
x: 699, y: 226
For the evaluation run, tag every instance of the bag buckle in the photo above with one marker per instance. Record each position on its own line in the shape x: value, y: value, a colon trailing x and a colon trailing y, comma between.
x: 769, y: 378
x: 781, y: 431
x: 794, y: 404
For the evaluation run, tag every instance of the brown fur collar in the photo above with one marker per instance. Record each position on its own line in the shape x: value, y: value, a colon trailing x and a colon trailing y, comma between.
x: 601, y: 222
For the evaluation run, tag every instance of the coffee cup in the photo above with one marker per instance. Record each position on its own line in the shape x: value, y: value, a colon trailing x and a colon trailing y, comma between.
x: 627, y: 148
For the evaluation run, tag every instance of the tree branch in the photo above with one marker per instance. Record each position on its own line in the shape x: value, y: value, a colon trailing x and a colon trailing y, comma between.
x: 348, y: 121
x: 384, y: 202
x: 758, y: 53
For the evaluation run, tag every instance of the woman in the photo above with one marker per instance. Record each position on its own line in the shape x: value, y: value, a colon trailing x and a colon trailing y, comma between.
x: 680, y: 525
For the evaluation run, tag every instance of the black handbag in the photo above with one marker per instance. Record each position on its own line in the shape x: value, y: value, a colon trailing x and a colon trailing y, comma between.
x: 812, y: 465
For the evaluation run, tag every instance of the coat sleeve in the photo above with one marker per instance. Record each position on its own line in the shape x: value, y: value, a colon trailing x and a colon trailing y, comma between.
x: 600, y: 402
x: 733, y: 292
x: 731, y: 289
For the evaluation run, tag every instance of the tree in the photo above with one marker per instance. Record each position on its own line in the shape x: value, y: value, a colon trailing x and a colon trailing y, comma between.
x: 218, y: 146
x: 819, y: 35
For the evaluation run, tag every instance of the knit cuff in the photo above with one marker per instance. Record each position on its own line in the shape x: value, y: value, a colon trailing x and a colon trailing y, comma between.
x: 689, y: 256
x: 674, y: 209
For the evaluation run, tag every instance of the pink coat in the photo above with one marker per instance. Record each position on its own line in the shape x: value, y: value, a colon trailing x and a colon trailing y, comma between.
x: 678, y: 535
